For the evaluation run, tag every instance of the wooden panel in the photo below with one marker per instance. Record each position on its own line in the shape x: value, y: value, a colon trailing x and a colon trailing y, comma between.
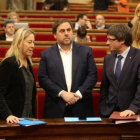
x: 58, y: 129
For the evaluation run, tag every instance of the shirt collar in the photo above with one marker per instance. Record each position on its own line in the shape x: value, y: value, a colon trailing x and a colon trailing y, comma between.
x: 60, y: 49
x: 9, y: 37
x: 124, y: 54
x: 77, y: 25
x: 100, y: 27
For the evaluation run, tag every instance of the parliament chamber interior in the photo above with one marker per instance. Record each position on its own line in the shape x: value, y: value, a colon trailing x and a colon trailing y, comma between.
x: 41, y: 22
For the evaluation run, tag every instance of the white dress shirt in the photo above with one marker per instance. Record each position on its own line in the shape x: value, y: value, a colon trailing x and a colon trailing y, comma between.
x: 99, y: 28
x: 124, y: 54
x: 9, y: 38
x: 77, y: 26
x: 67, y: 65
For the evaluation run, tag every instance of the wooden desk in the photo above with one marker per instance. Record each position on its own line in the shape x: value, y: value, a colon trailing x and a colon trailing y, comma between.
x: 57, y: 129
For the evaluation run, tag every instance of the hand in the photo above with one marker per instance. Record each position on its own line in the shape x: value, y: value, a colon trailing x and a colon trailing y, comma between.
x: 88, y: 38
x: 127, y: 113
x: 117, y: 2
x: 65, y: 9
x: 48, y: 6
x: 12, y: 119
x: 69, y: 97
x: 88, y: 24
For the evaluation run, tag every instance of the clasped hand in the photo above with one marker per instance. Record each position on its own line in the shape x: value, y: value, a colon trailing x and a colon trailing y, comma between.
x: 70, y: 97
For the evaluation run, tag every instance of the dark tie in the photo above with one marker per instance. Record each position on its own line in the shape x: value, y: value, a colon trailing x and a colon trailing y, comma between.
x: 118, y: 68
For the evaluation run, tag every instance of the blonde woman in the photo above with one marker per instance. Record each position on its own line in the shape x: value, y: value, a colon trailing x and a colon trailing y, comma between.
x: 14, y: 16
x: 136, y: 16
x: 136, y: 34
x: 17, y: 83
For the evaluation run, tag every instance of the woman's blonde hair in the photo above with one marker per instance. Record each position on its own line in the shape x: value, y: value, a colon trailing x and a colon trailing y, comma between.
x: 12, y: 14
x: 136, y: 33
x: 136, y: 17
x: 15, y: 50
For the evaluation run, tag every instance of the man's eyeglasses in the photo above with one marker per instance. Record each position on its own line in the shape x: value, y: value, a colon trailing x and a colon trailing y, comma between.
x: 111, y: 39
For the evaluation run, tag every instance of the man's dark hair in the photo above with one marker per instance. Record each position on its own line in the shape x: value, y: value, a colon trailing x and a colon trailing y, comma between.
x: 121, y: 32
x: 8, y: 21
x: 82, y: 32
x: 80, y: 16
x: 58, y: 22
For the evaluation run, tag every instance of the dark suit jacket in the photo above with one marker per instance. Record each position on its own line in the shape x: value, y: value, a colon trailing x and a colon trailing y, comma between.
x: 126, y: 94
x: 58, y: 4
x: 73, y: 25
x: 102, y: 5
x: 106, y: 27
x: 52, y: 79
x: 2, y: 37
x: 12, y: 89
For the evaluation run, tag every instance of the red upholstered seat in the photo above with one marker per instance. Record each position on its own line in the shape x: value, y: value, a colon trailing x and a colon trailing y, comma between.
x: 39, y: 5
x: 38, y: 16
x: 44, y: 37
x: 131, y: 10
x: 91, y: 37
x: 96, y: 102
x: 35, y: 69
x: 99, y: 72
x: 80, y: 9
x: 113, y: 17
x: 40, y: 105
x: 130, y: 18
x: 65, y: 16
x: 20, y: 16
x: 4, y: 16
x: 37, y: 52
x: 39, y: 25
x: 101, y: 38
x: 1, y: 24
x: 98, y: 53
x: 3, y: 52
x: 91, y: 17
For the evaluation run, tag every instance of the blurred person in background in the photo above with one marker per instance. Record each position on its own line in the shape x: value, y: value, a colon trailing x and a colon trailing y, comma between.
x: 100, y: 23
x: 136, y: 34
x: 15, y: 4
x: 82, y: 20
x: 136, y: 16
x: 14, y: 16
x: 56, y: 5
x: 81, y: 35
x: 123, y: 6
x: 102, y: 5
x: 9, y: 29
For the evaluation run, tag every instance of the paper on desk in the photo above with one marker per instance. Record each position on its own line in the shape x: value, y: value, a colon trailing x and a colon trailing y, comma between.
x: 88, y: 119
x: 26, y: 122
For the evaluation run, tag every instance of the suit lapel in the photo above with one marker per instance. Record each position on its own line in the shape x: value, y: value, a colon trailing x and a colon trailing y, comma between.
x: 58, y: 61
x: 75, y: 60
x: 111, y: 70
x: 126, y: 63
